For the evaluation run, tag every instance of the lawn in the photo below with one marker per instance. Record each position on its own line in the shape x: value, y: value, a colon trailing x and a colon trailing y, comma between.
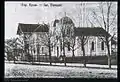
x: 42, y: 71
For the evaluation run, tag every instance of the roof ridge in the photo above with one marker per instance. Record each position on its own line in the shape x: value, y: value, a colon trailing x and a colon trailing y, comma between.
x: 91, y: 31
x: 31, y: 24
x: 88, y: 27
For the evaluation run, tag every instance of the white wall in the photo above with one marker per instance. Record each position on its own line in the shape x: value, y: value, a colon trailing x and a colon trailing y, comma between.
x: 97, y: 48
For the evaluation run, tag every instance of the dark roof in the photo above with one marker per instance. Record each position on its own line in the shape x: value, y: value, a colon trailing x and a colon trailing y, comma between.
x: 91, y: 31
x: 32, y: 28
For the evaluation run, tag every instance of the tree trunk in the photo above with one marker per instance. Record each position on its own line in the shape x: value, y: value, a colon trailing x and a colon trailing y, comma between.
x: 14, y: 55
x: 64, y: 53
x: 109, y: 58
x: 83, y: 49
x: 50, y: 53
x: 17, y: 54
x: 50, y: 56
x: 64, y: 57
x: 73, y: 54
x: 73, y: 49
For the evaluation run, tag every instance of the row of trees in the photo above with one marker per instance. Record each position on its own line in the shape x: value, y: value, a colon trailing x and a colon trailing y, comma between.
x: 105, y: 16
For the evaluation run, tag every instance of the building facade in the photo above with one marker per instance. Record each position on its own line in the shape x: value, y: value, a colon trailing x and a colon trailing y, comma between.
x: 34, y: 36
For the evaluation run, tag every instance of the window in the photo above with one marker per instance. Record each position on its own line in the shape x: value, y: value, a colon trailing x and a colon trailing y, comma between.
x: 57, y: 51
x: 92, y: 45
x: 38, y: 49
x: 61, y: 46
x: 102, y: 45
x: 68, y: 46
x: 34, y: 50
x: 68, y: 32
x: 42, y: 49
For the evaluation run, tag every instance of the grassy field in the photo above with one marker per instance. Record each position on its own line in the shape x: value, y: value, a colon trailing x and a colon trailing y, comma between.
x: 40, y: 71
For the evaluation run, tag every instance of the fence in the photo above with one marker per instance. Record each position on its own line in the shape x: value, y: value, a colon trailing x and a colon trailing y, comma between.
x: 76, y: 59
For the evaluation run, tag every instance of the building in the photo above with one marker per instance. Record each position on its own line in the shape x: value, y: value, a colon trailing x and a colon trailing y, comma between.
x: 65, y: 29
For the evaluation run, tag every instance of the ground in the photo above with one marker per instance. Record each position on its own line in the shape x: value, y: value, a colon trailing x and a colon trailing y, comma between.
x: 45, y: 71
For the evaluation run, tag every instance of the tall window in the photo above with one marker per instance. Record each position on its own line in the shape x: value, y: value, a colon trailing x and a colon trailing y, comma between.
x: 61, y: 46
x: 34, y: 50
x: 68, y: 46
x: 38, y: 49
x: 42, y: 49
x: 92, y: 45
x: 102, y: 45
x: 68, y: 32
x: 57, y: 51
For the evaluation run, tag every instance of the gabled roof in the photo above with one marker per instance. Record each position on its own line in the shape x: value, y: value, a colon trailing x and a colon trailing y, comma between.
x: 88, y: 31
x: 32, y: 28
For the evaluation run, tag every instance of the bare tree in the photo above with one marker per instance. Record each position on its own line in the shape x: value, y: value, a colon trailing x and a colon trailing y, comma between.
x: 66, y: 32
x: 8, y: 50
x: 49, y: 39
x: 82, y: 40
x: 26, y: 39
x: 72, y: 40
x: 106, y: 16
x: 27, y: 46
x: 11, y: 45
x: 82, y: 18
x: 72, y: 45
x: 63, y: 35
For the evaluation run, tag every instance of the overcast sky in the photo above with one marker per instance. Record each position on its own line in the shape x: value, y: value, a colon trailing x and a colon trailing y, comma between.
x: 22, y: 12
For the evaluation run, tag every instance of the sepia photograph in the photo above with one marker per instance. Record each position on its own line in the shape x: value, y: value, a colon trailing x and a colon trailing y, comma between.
x: 48, y: 39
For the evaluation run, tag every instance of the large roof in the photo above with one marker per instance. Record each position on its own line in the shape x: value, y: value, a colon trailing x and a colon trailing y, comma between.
x: 90, y: 32
x: 32, y: 28
x: 79, y: 31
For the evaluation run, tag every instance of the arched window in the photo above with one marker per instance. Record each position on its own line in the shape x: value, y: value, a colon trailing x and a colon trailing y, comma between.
x: 102, y: 45
x: 92, y: 45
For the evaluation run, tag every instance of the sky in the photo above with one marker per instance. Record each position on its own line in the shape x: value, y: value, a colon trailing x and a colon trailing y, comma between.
x: 28, y: 13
